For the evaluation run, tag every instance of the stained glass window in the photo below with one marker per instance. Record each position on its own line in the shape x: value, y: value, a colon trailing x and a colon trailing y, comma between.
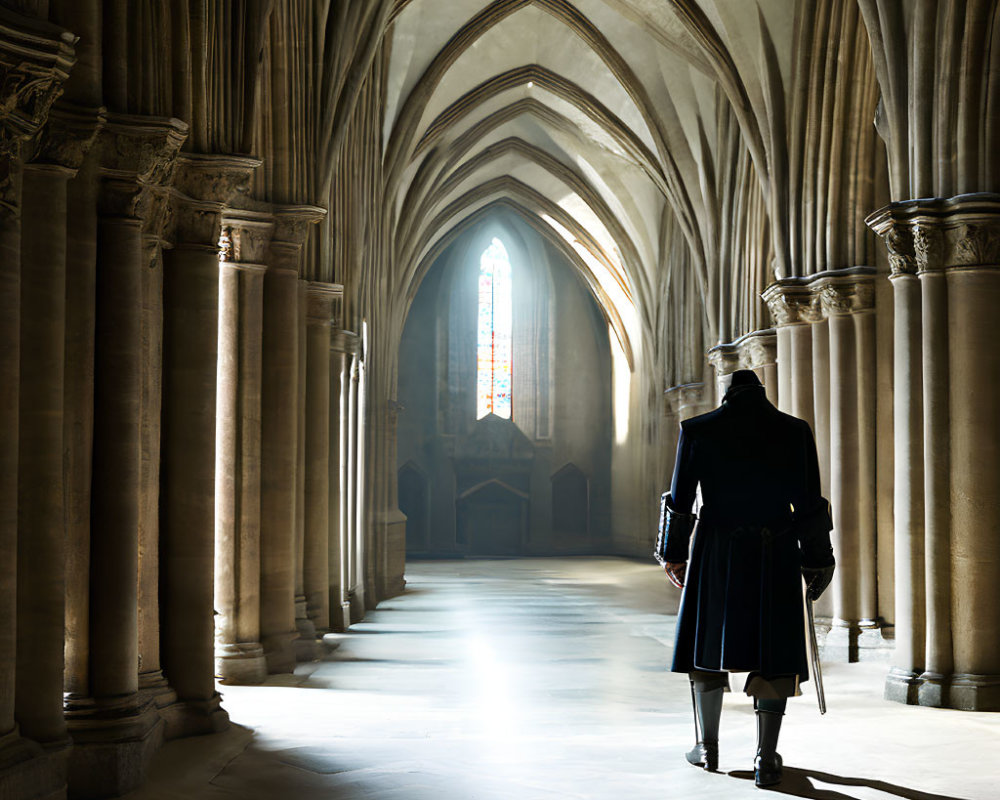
x: 494, y: 351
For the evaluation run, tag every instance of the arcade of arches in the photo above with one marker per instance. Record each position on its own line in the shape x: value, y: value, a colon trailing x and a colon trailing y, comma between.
x: 231, y: 229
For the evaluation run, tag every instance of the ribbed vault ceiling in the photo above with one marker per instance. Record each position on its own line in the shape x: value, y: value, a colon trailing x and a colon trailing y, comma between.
x: 595, y: 119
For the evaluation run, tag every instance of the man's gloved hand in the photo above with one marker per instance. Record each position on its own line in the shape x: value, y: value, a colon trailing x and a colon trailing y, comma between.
x: 817, y: 579
x: 676, y: 572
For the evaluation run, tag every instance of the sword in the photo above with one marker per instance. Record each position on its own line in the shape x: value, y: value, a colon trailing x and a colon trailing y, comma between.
x: 817, y: 670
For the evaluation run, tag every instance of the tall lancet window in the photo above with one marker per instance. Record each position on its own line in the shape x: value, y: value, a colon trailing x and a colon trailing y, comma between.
x: 494, y: 352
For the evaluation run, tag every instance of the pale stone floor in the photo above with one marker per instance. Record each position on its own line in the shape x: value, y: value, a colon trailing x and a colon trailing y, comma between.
x: 545, y: 678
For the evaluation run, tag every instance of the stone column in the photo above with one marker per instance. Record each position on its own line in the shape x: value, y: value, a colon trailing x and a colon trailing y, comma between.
x: 137, y: 157
x: 306, y: 646
x: 954, y: 441
x: 41, y: 541
x: 35, y: 59
x: 390, y: 522
x: 204, y: 185
x: 316, y: 572
x: 794, y: 308
x: 340, y: 606
x: 279, y: 434
x: 848, y: 300
x: 239, y: 655
x: 356, y: 577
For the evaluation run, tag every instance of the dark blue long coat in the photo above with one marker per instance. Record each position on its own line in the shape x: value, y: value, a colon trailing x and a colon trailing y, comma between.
x: 762, y: 519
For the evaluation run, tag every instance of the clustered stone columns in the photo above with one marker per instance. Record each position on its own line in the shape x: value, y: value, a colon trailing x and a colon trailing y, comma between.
x: 756, y: 350
x: 114, y: 728
x: 34, y: 63
x: 279, y: 434
x: 945, y: 260
x: 319, y: 421
x: 41, y: 542
x: 239, y: 655
x: 826, y: 370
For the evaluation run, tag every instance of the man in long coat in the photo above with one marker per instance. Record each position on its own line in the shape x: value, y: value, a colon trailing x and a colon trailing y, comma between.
x: 762, y: 525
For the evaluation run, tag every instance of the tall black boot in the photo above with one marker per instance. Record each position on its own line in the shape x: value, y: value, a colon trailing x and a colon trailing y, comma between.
x: 767, y: 764
x: 707, y: 713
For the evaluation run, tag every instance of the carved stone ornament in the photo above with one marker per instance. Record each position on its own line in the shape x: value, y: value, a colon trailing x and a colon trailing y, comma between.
x: 292, y: 223
x: 35, y: 60
x: 250, y: 235
x: 724, y: 358
x: 217, y: 178
x: 791, y: 302
x: 320, y: 299
x: 940, y: 233
x: 138, y: 154
x: 685, y: 396
x: 291, y: 230
x: 758, y: 349
x: 68, y: 136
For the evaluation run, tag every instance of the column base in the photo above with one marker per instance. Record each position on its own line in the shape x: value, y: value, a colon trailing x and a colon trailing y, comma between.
x: 856, y: 640
x: 154, y: 688
x: 194, y: 718
x: 279, y: 652
x: 240, y: 664
x: 356, y: 603
x: 113, y: 744
x: 29, y: 771
x: 340, y: 617
x: 961, y: 691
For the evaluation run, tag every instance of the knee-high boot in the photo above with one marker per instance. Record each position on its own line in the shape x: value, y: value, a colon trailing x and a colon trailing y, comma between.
x: 767, y: 764
x: 707, y: 713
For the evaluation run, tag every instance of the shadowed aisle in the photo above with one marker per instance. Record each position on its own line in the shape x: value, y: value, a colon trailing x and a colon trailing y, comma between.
x: 545, y: 678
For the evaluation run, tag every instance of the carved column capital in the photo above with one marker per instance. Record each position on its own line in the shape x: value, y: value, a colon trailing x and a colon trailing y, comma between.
x: 724, y: 358
x: 751, y: 351
x: 35, y: 60
x: 246, y: 237
x: 67, y: 138
x: 138, y: 155
x: 940, y: 233
x: 203, y: 186
x: 811, y: 298
x: 685, y: 396
x: 791, y: 302
x: 291, y: 231
x: 323, y: 302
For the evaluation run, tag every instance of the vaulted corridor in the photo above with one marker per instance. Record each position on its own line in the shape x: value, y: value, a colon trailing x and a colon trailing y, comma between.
x: 545, y: 678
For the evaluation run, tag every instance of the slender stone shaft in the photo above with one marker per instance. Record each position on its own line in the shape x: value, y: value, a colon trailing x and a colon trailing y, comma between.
x: 340, y: 607
x: 936, y: 474
x: 316, y: 568
x: 355, y: 550
x: 279, y: 460
x: 78, y: 403
x: 239, y: 654
x: 115, y: 516
x: 191, y: 303
x: 306, y: 646
x: 41, y: 554
x: 844, y: 463
x: 864, y: 339
x: 10, y: 334
x: 800, y: 352
x: 908, y: 499
x: 150, y: 675
x: 973, y: 298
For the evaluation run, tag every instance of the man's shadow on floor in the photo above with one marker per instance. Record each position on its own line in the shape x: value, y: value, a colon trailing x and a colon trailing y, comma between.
x: 796, y: 783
